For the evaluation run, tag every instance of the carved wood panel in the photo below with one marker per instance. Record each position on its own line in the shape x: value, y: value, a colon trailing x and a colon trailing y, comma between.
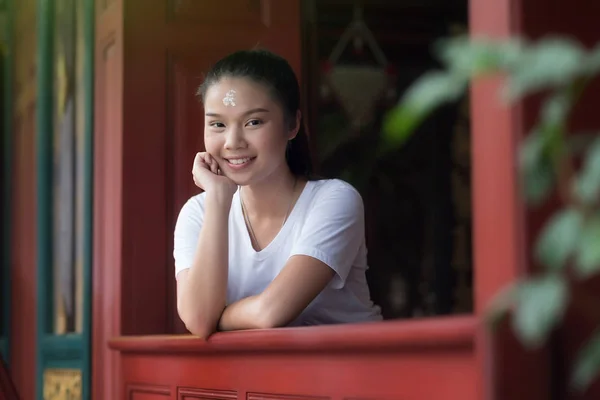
x: 184, y: 138
x: 205, y: 394
x: 62, y: 384
x: 147, y: 392
x: 251, y: 12
x: 270, y: 396
x: 185, y: 123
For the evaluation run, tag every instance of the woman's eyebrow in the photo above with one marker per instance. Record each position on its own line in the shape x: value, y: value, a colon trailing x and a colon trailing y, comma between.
x: 252, y: 111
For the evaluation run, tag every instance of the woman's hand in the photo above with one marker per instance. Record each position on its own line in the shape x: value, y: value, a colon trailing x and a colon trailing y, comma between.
x: 207, y: 176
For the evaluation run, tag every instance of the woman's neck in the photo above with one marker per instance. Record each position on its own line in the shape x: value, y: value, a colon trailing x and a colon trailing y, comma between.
x: 272, y: 197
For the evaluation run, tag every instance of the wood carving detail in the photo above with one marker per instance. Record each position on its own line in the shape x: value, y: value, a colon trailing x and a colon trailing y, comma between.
x: 62, y: 384
x: 205, y: 394
x: 210, y: 12
x: 269, y: 396
x: 137, y: 389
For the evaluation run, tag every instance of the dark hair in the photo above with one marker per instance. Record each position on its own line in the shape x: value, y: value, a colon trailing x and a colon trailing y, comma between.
x: 277, y: 75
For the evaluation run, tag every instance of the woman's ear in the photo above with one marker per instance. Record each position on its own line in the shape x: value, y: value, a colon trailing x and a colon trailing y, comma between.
x: 295, y: 128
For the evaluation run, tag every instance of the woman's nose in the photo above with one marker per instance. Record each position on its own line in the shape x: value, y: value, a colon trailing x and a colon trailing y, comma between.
x: 234, y: 138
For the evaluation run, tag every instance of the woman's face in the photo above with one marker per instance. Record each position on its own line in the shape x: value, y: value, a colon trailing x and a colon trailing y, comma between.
x: 245, y: 130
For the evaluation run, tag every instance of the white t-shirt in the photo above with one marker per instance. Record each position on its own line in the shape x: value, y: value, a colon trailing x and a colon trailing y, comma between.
x: 327, y: 223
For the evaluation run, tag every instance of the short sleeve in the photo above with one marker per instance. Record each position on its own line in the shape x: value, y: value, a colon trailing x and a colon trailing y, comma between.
x: 187, y: 232
x: 333, y: 231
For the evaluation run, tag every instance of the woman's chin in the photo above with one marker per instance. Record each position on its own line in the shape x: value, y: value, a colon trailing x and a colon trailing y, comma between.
x: 238, y: 180
x: 244, y: 180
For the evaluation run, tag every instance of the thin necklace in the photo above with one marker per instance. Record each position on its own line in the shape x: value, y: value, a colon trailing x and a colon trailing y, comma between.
x: 247, y: 218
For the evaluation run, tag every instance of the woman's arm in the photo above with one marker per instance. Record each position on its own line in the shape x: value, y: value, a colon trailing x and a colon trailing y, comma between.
x: 300, y: 281
x: 323, y: 254
x: 202, y: 288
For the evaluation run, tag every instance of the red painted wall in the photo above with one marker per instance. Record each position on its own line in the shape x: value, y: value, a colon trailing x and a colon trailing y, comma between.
x: 147, y: 130
x: 23, y: 268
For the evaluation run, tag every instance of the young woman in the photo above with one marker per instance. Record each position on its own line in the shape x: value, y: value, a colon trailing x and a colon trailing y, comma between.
x: 265, y: 245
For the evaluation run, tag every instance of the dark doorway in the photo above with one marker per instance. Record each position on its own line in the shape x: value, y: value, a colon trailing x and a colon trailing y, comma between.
x: 359, y: 57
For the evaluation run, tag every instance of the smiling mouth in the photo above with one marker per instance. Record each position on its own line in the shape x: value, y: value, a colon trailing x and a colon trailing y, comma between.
x: 238, y: 162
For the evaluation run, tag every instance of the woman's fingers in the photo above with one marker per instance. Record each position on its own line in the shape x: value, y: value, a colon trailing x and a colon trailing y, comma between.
x: 197, y: 170
x: 212, y: 163
x: 203, y: 163
x: 199, y: 161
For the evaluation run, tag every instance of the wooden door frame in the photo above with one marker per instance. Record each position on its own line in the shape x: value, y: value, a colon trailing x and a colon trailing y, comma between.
x: 7, y: 171
x: 73, y: 350
x: 499, y: 216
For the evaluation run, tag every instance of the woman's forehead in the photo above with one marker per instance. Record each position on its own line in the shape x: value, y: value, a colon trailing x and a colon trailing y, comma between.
x: 237, y: 92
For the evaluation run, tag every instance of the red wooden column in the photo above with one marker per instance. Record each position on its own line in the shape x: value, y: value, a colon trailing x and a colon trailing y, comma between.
x: 23, y: 224
x: 108, y: 188
x: 500, y: 218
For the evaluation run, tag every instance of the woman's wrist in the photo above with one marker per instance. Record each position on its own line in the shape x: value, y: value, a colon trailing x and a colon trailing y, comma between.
x: 220, y: 195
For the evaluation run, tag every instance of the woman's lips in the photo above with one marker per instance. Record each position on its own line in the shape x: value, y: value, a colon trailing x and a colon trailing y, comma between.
x: 239, y: 163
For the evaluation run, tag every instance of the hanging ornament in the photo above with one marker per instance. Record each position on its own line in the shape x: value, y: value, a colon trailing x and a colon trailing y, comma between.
x: 358, y: 88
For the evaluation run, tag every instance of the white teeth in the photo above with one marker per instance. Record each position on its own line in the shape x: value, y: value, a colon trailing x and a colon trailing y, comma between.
x: 239, y: 161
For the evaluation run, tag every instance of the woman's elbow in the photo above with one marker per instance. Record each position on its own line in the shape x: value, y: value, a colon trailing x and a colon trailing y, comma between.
x: 201, y: 331
x: 199, y: 327
x: 270, y: 317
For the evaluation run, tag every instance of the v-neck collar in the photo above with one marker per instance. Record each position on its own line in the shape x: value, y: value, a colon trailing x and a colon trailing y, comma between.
x: 275, y: 242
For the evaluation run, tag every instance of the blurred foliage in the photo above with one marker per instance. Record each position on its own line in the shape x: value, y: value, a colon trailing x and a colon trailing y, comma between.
x: 558, y: 69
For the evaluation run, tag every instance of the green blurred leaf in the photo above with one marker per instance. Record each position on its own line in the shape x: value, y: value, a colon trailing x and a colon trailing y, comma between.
x: 536, y: 168
x: 551, y: 62
x: 555, y: 111
x: 474, y: 57
x: 544, y: 146
x: 587, y: 184
x: 398, y: 125
x: 593, y: 61
x: 501, y: 304
x: 551, y: 126
x: 587, y: 364
x: 429, y: 92
x: 559, y: 238
x: 540, y: 306
x: 588, y: 248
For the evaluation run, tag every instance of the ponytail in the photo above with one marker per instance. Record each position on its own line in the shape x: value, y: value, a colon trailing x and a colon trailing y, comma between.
x: 298, y: 156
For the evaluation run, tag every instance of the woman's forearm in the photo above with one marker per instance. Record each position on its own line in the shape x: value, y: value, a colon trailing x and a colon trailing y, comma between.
x: 244, y: 314
x: 204, y: 294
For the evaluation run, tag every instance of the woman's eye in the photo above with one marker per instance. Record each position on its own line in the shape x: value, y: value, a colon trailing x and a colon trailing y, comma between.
x: 254, y: 122
x: 217, y: 125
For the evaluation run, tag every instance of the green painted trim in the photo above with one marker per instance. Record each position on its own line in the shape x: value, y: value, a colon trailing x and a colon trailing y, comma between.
x: 6, y: 190
x: 72, y: 350
x: 44, y: 120
x: 64, y: 352
x: 59, y: 348
x: 88, y: 225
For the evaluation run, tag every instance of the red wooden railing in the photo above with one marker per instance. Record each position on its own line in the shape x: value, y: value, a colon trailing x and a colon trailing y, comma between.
x: 427, y: 359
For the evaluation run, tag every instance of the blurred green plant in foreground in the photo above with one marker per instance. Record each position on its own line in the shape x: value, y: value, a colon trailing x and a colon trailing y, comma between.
x: 569, y: 244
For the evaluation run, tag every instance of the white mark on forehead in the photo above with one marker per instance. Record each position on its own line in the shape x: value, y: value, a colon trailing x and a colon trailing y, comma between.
x: 229, y: 99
